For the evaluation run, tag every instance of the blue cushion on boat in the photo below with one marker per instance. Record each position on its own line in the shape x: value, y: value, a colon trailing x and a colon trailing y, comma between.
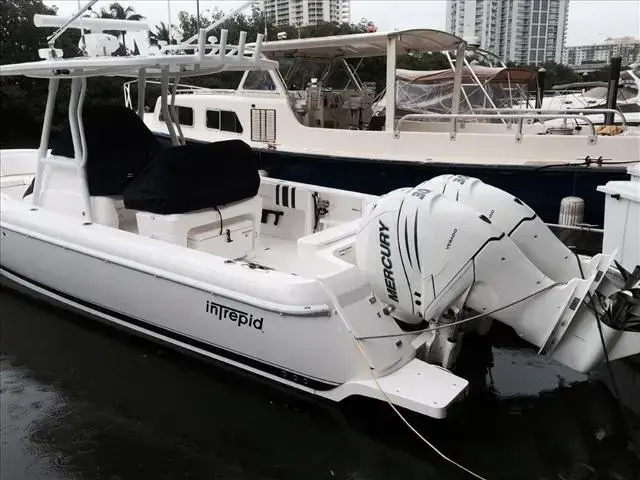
x: 194, y: 177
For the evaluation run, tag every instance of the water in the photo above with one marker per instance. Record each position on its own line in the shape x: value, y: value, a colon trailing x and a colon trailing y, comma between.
x: 83, y: 401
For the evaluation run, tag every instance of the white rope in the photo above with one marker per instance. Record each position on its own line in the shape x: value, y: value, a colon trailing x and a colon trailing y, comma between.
x: 405, y: 421
x: 371, y: 369
x: 464, y: 320
x: 361, y: 349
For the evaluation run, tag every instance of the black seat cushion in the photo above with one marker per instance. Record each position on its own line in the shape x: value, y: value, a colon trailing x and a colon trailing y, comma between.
x: 119, y: 146
x: 193, y: 177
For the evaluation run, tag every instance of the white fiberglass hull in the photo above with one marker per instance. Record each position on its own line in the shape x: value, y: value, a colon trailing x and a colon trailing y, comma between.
x: 281, y: 327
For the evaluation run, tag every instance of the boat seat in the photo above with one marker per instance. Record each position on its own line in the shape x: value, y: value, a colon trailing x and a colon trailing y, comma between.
x: 110, y: 210
x: 334, y: 238
x: 63, y: 193
x: 202, y: 196
x: 229, y: 230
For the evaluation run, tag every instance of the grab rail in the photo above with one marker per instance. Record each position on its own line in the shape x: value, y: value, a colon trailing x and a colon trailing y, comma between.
x: 588, y: 111
x: 592, y: 139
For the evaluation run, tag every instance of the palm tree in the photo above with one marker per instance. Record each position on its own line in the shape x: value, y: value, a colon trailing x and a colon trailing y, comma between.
x: 161, y: 33
x: 118, y: 12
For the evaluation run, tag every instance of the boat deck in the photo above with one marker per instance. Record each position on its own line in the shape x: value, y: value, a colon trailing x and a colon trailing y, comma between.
x: 305, y: 211
x: 278, y: 254
x: 271, y: 252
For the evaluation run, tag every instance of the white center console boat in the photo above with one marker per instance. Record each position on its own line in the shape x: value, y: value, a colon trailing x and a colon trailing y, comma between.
x: 331, y: 292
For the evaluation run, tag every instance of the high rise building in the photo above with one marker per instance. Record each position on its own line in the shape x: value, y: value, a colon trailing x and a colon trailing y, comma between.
x: 585, y: 58
x: 307, y: 12
x: 522, y: 31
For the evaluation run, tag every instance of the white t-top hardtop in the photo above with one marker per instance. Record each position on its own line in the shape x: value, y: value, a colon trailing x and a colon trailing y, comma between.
x: 178, y: 65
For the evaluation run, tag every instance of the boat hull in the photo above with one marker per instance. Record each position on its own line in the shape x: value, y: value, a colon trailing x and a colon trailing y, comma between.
x: 287, y: 333
x: 151, y: 305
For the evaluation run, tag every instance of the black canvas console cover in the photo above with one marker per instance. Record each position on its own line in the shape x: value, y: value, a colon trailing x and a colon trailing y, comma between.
x: 119, y: 146
x: 193, y: 177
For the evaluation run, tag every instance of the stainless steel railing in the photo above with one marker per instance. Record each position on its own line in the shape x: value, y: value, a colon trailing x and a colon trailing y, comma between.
x: 592, y: 139
x: 553, y: 111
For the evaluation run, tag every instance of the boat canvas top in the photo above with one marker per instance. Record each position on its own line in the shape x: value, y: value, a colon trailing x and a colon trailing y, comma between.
x: 482, y: 73
x: 361, y: 45
x: 579, y: 85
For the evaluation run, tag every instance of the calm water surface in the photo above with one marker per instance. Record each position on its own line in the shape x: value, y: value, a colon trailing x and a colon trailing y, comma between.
x: 82, y: 401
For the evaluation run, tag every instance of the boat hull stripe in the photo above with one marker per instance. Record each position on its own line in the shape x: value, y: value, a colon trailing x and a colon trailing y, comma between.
x: 291, y: 376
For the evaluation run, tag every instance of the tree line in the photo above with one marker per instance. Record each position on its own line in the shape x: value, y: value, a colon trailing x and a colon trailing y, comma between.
x: 22, y: 99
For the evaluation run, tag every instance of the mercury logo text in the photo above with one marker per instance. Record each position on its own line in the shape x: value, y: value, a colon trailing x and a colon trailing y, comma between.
x: 453, y: 235
x: 387, y: 265
x: 240, y: 318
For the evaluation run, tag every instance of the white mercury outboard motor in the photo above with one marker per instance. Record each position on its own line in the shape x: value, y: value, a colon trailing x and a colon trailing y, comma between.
x: 521, y: 223
x: 427, y: 256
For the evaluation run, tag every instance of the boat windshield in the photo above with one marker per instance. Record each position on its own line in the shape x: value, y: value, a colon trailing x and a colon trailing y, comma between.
x: 259, y: 80
x: 416, y: 97
x: 300, y: 73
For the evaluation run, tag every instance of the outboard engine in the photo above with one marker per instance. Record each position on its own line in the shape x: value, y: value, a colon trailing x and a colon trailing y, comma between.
x: 520, y: 222
x: 431, y: 258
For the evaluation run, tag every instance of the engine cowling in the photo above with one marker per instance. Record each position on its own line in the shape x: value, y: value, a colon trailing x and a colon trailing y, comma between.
x: 416, y: 248
x: 520, y: 222
x: 424, y: 253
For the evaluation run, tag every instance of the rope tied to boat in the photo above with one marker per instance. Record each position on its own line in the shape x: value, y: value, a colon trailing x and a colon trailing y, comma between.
x: 361, y: 349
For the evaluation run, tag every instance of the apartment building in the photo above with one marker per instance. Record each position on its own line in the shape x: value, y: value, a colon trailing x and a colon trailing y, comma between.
x: 522, y: 31
x: 594, y: 56
x: 307, y: 12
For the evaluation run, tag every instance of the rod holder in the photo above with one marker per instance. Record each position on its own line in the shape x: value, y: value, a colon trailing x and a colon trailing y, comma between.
x: 241, y: 43
x: 258, y: 46
x: 540, y: 78
x: 202, y: 43
x: 224, y: 34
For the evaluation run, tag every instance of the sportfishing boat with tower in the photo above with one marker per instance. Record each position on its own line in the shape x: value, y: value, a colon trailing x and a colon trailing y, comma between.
x: 330, y: 292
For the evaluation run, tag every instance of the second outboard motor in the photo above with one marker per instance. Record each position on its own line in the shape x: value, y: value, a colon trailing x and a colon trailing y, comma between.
x: 521, y: 223
x: 425, y: 254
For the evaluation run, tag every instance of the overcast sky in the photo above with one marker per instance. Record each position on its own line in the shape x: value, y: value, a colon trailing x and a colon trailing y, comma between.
x: 590, y: 21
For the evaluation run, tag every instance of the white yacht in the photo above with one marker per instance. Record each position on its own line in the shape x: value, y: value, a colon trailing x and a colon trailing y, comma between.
x: 593, y: 96
x: 331, y: 292
x: 313, y: 121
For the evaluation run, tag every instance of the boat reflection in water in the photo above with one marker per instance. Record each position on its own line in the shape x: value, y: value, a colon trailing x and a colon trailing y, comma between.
x: 82, y: 401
